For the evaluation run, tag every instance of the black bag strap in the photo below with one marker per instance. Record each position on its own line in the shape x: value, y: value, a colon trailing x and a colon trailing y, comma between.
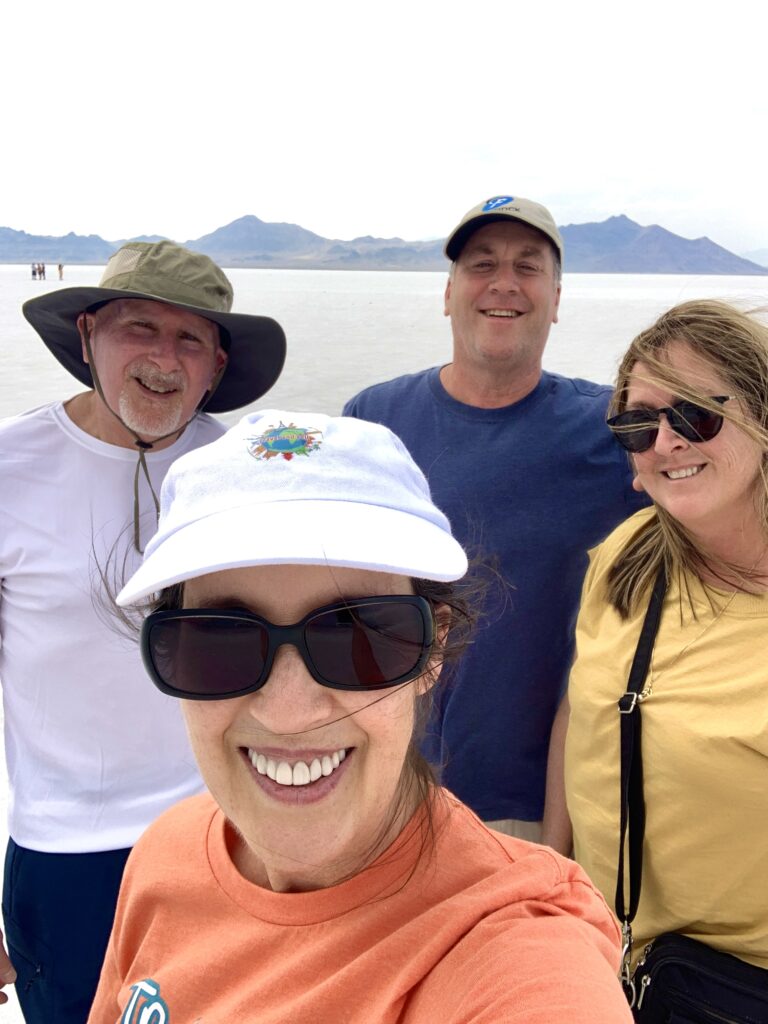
x: 632, y: 817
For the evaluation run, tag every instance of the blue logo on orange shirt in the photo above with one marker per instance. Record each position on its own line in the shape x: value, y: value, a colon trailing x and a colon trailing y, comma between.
x: 145, y: 1005
x: 497, y: 201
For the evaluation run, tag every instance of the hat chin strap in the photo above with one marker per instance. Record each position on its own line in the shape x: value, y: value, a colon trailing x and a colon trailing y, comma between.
x: 142, y: 445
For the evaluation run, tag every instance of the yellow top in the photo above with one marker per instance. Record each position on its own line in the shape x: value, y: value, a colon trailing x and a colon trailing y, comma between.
x: 705, y: 759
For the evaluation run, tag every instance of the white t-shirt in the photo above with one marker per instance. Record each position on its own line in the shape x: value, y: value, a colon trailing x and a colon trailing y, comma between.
x: 94, y: 751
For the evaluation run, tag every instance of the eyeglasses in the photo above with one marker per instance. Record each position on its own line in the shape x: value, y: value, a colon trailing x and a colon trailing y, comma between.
x: 365, y: 644
x: 637, y: 429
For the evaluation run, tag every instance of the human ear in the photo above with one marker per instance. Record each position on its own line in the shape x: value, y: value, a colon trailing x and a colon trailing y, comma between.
x: 219, y: 366
x: 435, y: 665
x: 557, y: 304
x: 84, y: 321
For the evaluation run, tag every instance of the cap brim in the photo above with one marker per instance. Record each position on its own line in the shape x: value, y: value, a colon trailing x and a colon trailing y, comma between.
x: 256, y: 343
x: 356, y: 536
x: 458, y: 239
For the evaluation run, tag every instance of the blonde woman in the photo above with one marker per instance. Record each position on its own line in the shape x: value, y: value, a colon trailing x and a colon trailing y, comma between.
x: 691, y: 408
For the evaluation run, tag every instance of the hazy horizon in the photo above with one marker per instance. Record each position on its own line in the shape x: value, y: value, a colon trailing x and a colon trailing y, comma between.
x: 183, y: 240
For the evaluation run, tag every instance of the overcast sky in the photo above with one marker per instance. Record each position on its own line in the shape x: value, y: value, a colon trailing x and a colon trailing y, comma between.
x: 354, y: 118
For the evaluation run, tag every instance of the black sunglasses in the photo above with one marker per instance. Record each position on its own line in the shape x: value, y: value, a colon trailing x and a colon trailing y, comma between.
x: 365, y: 644
x: 637, y: 429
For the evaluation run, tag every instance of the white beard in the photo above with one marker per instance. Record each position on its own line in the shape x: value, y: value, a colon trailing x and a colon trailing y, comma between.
x: 148, y: 417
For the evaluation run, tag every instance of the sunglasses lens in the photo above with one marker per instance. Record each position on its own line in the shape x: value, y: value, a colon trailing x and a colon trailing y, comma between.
x: 635, y: 430
x: 206, y: 656
x: 368, y: 645
x: 694, y: 423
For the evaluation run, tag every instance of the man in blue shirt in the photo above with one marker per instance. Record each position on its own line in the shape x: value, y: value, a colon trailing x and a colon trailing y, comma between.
x: 530, y: 476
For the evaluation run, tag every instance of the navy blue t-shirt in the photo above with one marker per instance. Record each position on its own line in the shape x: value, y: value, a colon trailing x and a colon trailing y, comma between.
x: 535, y: 484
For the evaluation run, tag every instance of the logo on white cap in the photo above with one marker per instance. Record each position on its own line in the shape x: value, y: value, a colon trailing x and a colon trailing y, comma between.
x: 284, y: 440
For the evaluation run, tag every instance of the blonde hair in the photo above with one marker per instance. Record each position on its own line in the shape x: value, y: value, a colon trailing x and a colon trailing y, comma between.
x: 735, y: 344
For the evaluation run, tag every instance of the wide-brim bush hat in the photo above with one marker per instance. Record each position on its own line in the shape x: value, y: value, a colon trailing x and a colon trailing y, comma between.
x: 166, y: 272
x: 283, y: 488
x: 501, y: 208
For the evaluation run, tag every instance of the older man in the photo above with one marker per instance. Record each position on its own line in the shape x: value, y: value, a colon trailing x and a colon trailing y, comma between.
x: 529, y: 475
x: 94, y: 753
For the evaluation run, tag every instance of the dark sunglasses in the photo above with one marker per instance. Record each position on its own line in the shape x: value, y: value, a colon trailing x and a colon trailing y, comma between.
x: 637, y: 429
x: 213, y: 653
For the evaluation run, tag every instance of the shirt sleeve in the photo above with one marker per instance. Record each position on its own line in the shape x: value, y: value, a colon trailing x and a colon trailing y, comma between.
x: 554, y: 959
x: 351, y: 407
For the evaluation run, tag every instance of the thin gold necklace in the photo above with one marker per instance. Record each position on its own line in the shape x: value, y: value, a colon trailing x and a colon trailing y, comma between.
x: 654, y: 675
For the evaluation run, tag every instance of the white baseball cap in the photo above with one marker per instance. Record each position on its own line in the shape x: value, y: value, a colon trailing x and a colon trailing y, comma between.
x: 299, y: 489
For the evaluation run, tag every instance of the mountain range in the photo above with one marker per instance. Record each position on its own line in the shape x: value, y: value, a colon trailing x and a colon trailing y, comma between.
x: 757, y: 256
x: 616, y: 245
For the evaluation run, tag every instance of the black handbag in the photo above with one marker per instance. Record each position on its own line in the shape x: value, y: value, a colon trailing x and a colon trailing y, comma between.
x: 681, y: 980
x: 677, y: 979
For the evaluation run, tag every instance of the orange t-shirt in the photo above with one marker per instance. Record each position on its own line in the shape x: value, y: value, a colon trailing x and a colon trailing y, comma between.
x: 483, y: 929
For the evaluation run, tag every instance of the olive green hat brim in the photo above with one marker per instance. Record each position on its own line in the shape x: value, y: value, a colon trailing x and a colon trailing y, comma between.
x: 255, y: 344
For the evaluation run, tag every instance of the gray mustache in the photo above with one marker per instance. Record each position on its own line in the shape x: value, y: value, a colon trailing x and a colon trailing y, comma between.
x: 148, y: 374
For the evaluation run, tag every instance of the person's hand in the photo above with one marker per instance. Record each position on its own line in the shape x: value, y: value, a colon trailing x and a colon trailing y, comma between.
x: 7, y: 973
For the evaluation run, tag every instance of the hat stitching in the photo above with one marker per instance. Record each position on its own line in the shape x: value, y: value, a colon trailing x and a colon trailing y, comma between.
x: 121, y: 262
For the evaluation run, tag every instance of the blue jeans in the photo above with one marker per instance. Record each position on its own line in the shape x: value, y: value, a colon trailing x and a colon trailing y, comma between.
x: 58, y: 910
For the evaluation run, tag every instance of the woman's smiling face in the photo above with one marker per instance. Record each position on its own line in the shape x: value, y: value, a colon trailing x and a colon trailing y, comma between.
x: 310, y: 835
x: 708, y: 487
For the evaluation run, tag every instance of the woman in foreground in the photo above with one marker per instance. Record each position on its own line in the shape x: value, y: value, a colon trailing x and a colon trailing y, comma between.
x: 691, y: 408
x: 303, y: 613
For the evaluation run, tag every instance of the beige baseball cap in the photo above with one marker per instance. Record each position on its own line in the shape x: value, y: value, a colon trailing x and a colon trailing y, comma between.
x: 503, y: 208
